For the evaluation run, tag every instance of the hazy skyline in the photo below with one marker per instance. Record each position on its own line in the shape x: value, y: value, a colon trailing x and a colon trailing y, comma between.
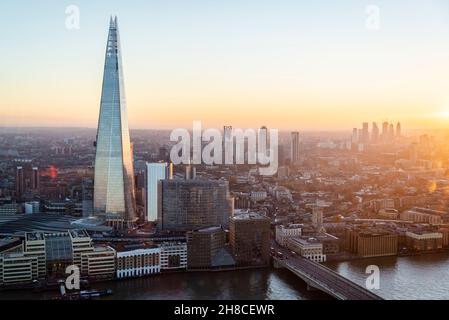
x: 283, y: 64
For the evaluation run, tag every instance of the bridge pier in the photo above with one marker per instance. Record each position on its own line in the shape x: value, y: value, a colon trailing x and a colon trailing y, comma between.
x: 277, y: 265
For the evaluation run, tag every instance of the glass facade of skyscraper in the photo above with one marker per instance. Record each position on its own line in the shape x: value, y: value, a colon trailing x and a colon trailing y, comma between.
x: 114, y: 177
x: 192, y: 204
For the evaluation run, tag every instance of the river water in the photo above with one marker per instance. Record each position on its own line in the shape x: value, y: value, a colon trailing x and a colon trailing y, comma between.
x: 417, y: 277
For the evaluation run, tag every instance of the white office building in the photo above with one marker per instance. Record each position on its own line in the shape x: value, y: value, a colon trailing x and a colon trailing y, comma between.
x: 139, y: 262
x: 309, y: 248
x: 153, y: 174
x: 283, y: 233
x: 32, y: 207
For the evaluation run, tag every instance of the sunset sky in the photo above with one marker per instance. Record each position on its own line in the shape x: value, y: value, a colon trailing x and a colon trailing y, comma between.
x: 302, y: 65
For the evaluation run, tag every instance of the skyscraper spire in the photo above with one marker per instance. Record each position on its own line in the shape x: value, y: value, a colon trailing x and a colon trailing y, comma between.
x: 114, y: 196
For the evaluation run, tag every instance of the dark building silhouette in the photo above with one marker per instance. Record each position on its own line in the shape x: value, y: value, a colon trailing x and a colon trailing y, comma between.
x: 192, y: 204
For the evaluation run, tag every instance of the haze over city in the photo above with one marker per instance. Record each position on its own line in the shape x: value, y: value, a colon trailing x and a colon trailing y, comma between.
x: 284, y: 64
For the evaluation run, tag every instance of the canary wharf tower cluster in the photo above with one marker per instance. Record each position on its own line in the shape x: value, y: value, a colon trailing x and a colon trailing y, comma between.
x: 114, y: 198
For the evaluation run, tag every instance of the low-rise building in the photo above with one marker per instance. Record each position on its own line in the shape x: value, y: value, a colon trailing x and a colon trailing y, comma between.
x: 258, y: 195
x: 390, y: 214
x: 283, y: 233
x: 424, y: 241
x: 371, y: 242
x: 98, y: 263
x: 173, y: 255
x: 137, y: 260
x: 32, y: 207
x: 309, y: 248
x: 420, y: 215
x: 17, y: 268
x: 8, y: 209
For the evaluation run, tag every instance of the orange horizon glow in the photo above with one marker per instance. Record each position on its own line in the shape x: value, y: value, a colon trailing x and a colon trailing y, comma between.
x: 291, y: 70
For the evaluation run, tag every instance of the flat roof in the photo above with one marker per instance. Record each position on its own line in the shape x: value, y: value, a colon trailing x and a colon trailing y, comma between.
x: 123, y: 247
x: 249, y: 216
x: 34, y: 236
x: 79, y: 233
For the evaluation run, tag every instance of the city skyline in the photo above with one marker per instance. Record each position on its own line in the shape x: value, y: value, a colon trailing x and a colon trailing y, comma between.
x: 326, y: 72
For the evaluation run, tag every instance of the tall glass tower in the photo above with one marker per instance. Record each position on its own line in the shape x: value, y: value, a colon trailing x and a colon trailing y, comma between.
x: 114, y: 197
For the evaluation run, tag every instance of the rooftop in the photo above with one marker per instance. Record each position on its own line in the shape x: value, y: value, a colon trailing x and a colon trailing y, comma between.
x: 249, y: 216
x: 76, y: 233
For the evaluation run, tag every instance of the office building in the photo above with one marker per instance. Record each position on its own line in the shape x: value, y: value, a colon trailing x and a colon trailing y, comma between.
x: 153, y: 174
x: 114, y: 196
x: 206, y: 248
x: 385, y: 137
x: 17, y: 268
x: 375, y: 135
x: 81, y: 242
x: 57, y: 250
x: 295, y: 148
x: 249, y: 238
x: 173, y: 255
x: 34, y: 246
x: 418, y: 241
x: 309, y: 248
x: 398, y: 130
x: 9, y: 209
x: 391, y: 132
x: 27, y: 180
x: 137, y: 260
x: 369, y: 242
x: 422, y: 215
x: 98, y: 263
x: 262, y: 143
x: 228, y: 147
x: 32, y: 207
x: 283, y: 233
x: 365, y: 132
x: 354, y: 137
x: 193, y: 204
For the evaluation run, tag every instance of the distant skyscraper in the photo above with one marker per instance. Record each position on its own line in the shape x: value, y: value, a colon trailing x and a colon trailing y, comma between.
x: 228, y: 146
x: 391, y: 132
x: 114, y: 196
x: 375, y: 133
x: 27, y: 180
x: 295, y: 148
x: 354, y: 138
x: 153, y: 174
x: 262, y: 141
x: 398, y: 130
x: 385, y: 131
x: 365, y: 132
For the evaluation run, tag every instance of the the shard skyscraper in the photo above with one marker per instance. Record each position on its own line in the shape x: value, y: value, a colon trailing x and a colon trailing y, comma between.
x: 114, y: 197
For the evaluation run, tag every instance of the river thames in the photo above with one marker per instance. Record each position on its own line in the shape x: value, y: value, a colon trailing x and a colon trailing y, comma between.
x: 416, y: 277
